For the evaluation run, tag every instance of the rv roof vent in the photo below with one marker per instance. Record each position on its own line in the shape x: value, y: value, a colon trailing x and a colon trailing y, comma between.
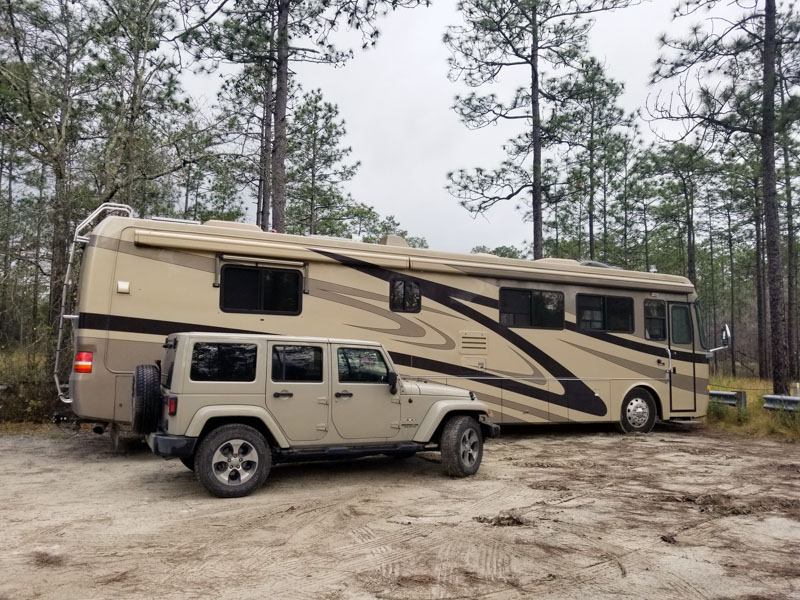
x: 393, y: 240
x: 595, y: 263
x: 232, y: 225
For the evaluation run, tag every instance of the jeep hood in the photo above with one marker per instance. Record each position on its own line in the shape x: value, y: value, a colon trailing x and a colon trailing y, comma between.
x: 433, y: 389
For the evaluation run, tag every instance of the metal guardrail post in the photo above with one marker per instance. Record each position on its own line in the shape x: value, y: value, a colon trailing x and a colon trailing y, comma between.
x: 741, y: 400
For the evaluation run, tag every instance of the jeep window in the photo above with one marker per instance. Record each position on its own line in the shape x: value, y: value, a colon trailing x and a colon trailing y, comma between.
x: 531, y: 308
x: 296, y: 363
x: 223, y: 362
x: 605, y: 313
x: 404, y: 296
x: 362, y: 365
x: 260, y: 290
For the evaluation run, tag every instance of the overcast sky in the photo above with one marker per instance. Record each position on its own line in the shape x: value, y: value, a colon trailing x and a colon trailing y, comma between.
x: 396, y: 101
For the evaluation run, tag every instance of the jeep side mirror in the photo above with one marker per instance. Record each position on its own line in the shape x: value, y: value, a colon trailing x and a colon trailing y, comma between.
x: 391, y: 379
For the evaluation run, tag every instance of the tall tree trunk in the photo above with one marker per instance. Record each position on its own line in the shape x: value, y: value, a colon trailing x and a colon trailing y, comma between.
x: 265, y: 150
x: 281, y: 97
x: 591, y: 187
x: 791, y: 255
x: 777, y: 306
x: 61, y: 225
x: 6, y: 242
x: 732, y: 346
x: 761, y: 316
x: 713, y: 331
x: 536, y: 140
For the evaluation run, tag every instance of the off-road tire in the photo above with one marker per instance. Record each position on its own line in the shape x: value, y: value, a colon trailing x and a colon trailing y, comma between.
x: 461, y: 445
x: 638, y: 412
x: 146, y: 399
x: 221, y: 448
x: 188, y: 462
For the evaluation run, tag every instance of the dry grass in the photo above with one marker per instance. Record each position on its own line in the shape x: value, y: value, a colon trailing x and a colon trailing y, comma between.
x: 753, y: 420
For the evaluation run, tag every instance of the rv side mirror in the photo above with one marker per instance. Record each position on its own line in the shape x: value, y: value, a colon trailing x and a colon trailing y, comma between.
x: 726, y: 335
x: 391, y: 379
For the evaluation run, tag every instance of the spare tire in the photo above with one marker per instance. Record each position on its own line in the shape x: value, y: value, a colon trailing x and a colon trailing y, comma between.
x: 146, y: 400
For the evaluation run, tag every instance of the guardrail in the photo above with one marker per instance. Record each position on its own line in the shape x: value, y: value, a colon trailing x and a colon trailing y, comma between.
x: 738, y: 399
x: 787, y: 403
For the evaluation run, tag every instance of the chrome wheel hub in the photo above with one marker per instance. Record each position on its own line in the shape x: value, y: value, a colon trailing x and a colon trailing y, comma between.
x: 234, y: 462
x: 469, y: 447
x: 637, y: 412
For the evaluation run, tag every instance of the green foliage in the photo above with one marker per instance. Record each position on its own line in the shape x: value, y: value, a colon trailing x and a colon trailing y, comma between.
x: 504, y: 251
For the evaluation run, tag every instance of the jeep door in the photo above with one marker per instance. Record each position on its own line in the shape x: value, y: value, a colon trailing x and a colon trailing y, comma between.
x: 363, y: 405
x: 298, y: 389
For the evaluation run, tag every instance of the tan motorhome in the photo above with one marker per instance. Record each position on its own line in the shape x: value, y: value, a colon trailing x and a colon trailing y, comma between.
x: 545, y: 341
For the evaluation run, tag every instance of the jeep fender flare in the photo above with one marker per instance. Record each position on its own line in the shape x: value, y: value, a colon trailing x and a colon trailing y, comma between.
x: 439, y: 411
x: 232, y: 411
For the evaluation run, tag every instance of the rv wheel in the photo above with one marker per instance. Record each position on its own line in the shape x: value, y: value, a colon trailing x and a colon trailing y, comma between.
x: 146, y: 400
x: 232, y: 461
x: 461, y: 446
x: 638, y: 413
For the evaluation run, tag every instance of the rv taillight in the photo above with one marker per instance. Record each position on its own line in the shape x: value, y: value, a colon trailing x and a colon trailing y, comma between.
x: 83, y: 362
x: 172, y: 405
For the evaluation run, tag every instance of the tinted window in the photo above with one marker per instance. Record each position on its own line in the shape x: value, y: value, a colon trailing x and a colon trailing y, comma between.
x: 531, y: 308
x: 296, y: 363
x: 259, y: 289
x: 655, y: 320
x: 223, y: 362
x: 404, y: 296
x: 681, y: 324
x: 361, y: 365
x: 700, y: 328
x: 605, y: 313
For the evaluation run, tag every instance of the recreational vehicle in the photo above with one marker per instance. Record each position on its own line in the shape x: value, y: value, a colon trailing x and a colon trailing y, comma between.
x: 543, y: 341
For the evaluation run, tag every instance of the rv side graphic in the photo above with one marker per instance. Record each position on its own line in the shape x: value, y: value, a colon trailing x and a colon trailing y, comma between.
x: 539, y: 341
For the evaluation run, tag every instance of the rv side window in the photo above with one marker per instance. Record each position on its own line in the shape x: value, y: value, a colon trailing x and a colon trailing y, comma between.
x: 361, y: 365
x: 296, y: 363
x: 260, y: 290
x: 605, y: 313
x: 655, y: 320
x: 223, y: 362
x: 404, y: 296
x: 681, y: 324
x: 531, y: 308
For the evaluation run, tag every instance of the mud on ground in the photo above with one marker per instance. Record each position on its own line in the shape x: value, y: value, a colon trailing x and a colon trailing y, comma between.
x: 553, y: 513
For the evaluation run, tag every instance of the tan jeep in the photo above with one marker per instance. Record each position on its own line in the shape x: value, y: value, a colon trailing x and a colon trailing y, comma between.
x: 231, y: 405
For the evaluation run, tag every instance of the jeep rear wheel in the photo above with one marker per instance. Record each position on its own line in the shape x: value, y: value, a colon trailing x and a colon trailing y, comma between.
x: 461, y: 446
x: 146, y: 400
x: 233, y: 461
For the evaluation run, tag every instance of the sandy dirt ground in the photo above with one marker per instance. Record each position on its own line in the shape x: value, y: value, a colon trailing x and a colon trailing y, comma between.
x: 552, y: 513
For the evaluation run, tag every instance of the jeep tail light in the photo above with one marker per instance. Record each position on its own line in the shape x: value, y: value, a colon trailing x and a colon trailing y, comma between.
x: 83, y: 362
x: 172, y: 405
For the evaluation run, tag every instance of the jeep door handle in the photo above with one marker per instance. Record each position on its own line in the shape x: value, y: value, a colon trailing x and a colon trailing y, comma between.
x: 344, y: 394
x: 282, y: 394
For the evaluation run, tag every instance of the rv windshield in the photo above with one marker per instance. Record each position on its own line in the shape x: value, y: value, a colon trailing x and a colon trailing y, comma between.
x: 700, y: 326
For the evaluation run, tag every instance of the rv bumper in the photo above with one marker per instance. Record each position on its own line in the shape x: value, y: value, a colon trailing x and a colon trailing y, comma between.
x: 177, y: 446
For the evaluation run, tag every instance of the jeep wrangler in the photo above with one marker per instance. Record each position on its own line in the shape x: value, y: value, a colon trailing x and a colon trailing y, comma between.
x: 229, y: 406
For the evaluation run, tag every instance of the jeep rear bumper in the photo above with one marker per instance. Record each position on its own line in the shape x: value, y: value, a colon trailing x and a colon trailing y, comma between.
x: 177, y: 446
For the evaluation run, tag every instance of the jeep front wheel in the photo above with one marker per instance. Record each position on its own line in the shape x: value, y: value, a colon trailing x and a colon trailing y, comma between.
x: 232, y: 461
x: 461, y: 446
